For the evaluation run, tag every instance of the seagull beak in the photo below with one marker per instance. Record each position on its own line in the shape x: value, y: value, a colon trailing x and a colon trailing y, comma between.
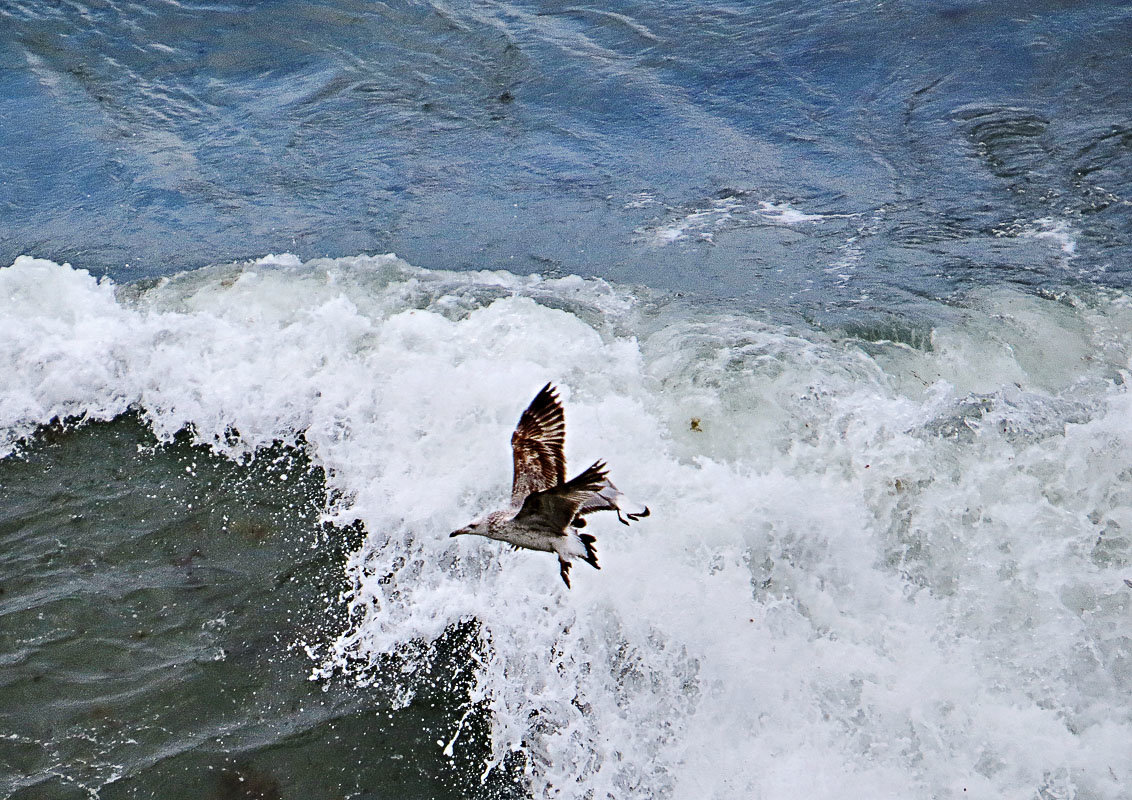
x: 457, y: 533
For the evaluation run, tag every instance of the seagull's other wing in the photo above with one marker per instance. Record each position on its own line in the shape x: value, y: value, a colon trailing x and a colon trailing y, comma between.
x: 537, y: 446
x: 555, y: 508
x: 607, y: 498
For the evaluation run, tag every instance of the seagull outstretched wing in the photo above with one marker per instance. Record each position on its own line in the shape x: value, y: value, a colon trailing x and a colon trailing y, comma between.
x: 537, y: 446
x: 555, y: 507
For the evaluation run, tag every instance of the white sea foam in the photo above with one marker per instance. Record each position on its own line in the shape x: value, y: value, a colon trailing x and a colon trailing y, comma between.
x: 699, y: 225
x: 1059, y: 232
x: 874, y: 571
x: 786, y: 214
x: 704, y: 222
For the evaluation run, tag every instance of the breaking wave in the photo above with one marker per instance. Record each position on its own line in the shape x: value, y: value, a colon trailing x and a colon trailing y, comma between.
x: 874, y: 568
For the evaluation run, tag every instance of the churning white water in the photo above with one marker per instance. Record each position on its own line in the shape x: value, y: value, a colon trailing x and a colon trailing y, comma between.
x: 872, y: 570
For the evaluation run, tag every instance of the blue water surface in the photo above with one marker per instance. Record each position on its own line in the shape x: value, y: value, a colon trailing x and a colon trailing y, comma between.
x: 929, y: 146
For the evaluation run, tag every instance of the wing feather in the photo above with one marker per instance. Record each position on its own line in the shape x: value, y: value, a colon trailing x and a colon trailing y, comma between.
x: 537, y: 446
x: 557, y: 506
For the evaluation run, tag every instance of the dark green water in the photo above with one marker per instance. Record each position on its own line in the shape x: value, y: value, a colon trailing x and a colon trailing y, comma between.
x: 151, y: 598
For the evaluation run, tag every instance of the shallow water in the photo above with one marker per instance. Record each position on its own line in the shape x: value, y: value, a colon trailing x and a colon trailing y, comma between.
x: 840, y: 290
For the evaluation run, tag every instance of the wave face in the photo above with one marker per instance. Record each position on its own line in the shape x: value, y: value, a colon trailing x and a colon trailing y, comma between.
x: 872, y: 569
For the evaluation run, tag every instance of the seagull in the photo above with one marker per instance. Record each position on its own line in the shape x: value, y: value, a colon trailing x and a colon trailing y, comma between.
x: 547, y: 511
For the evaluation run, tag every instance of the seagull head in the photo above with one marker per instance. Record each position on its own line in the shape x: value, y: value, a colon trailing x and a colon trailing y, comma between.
x: 478, y: 526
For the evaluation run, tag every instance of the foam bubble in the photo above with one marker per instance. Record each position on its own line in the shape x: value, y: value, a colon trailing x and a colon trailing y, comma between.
x: 871, y: 570
x: 786, y: 214
x: 700, y: 224
x: 1059, y: 232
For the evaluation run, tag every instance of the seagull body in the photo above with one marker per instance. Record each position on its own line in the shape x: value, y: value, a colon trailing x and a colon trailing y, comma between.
x: 546, y: 511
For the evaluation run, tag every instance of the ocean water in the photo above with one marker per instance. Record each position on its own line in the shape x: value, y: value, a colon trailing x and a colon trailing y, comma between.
x: 839, y: 289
